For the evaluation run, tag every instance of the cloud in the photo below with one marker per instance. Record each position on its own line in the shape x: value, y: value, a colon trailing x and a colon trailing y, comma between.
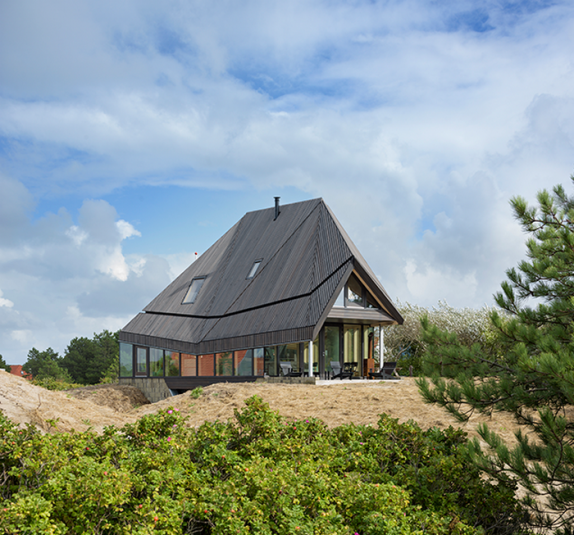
x: 416, y: 121
x: 5, y: 302
x: 61, y: 278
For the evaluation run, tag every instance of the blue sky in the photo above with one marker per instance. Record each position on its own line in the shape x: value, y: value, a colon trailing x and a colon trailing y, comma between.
x: 134, y: 134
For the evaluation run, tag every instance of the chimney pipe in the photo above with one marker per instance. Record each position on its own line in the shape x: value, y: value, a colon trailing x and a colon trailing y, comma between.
x: 277, y: 211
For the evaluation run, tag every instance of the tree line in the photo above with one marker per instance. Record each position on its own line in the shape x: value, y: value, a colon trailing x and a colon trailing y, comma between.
x: 86, y: 361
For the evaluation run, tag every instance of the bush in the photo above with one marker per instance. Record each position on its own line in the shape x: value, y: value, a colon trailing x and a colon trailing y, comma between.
x: 406, y: 344
x: 258, y: 473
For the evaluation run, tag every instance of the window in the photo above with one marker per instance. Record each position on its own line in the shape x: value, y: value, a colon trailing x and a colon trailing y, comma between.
x: 258, y: 361
x: 244, y: 362
x: 224, y: 363
x: 354, y: 292
x: 126, y: 360
x: 206, y: 365
x: 194, y: 288
x: 188, y: 365
x: 155, y: 362
x: 254, y: 269
x: 171, y: 364
x: 141, y: 361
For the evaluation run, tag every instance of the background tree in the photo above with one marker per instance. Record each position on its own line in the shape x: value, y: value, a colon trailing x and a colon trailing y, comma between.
x: 405, y: 344
x: 87, y: 360
x: 3, y: 365
x: 529, y: 371
x: 45, y: 365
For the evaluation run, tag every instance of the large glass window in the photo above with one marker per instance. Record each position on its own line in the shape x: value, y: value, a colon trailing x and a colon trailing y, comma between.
x: 141, y: 361
x: 244, y: 362
x: 289, y: 353
x: 206, y: 365
x: 155, y: 362
x: 224, y: 363
x: 188, y: 365
x: 259, y: 361
x: 171, y: 364
x: 126, y: 360
x: 332, y: 351
x: 194, y: 288
x: 352, y: 343
x: 270, y: 364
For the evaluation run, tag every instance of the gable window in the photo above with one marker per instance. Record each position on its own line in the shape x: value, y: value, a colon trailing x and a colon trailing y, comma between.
x: 354, y: 294
x: 194, y: 288
x: 254, y: 269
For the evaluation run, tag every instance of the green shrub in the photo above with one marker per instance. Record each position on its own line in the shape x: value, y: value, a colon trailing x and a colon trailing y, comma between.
x: 259, y: 473
x: 51, y: 383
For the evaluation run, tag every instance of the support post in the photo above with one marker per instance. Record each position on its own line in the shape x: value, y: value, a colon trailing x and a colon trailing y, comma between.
x: 381, y: 347
x: 311, y: 358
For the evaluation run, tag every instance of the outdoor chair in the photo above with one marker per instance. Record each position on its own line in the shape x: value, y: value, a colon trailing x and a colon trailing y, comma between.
x: 287, y: 370
x: 388, y: 371
x: 339, y: 372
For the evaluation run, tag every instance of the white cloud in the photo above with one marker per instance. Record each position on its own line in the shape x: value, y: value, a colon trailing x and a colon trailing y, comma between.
x: 427, y: 283
x: 413, y: 123
x: 65, y: 279
x: 5, y: 302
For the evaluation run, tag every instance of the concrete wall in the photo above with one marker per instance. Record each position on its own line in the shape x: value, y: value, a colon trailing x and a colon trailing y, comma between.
x: 288, y: 380
x: 153, y: 388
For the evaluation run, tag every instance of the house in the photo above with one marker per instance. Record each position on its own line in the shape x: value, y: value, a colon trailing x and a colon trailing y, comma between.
x: 284, y: 284
x: 16, y: 369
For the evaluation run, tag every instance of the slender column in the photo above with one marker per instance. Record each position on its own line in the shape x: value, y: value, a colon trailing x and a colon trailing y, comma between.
x: 381, y: 347
x: 311, y: 358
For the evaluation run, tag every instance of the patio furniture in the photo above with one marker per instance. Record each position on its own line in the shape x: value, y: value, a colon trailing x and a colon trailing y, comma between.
x: 287, y: 370
x: 339, y: 372
x: 388, y: 371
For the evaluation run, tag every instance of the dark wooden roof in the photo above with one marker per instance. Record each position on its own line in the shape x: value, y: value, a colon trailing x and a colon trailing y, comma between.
x: 306, y: 258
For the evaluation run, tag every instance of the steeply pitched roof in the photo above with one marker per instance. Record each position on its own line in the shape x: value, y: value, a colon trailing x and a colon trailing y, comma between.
x: 306, y: 258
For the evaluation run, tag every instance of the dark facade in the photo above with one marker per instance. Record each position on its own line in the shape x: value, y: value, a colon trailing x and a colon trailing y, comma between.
x: 278, y: 280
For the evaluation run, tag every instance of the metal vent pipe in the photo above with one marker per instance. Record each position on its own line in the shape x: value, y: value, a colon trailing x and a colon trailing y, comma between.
x: 277, y: 211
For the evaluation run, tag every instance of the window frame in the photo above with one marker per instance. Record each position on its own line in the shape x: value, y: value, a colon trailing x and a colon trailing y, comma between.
x: 187, y: 294
x: 254, y: 269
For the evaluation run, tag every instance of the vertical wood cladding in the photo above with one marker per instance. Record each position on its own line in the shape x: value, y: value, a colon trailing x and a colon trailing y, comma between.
x: 304, y: 254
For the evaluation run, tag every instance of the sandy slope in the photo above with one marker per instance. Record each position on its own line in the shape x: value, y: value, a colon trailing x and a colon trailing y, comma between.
x: 335, y: 403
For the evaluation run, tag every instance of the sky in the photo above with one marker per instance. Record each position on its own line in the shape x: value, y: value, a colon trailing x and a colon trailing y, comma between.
x: 134, y: 134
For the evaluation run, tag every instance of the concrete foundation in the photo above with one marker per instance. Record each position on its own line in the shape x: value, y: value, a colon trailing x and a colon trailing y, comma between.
x: 288, y: 380
x: 153, y: 388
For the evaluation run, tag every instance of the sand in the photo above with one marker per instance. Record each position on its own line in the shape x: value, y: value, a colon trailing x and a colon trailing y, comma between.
x: 334, y: 402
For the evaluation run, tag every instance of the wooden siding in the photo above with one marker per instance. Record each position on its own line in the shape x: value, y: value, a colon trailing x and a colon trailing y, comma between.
x: 306, y: 257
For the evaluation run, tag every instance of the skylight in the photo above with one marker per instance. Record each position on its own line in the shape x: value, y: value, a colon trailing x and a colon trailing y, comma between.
x: 194, y: 288
x: 254, y: 269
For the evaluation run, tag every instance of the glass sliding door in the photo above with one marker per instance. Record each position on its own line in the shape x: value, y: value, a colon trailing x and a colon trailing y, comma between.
x: 332, y: 346
x: 352, y: 346
x: 289, y: 353
x: 270, y: 365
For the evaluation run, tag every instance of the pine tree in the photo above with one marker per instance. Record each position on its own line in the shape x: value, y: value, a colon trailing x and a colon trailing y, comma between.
x: 4, y: 365
x: 527, y: 369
